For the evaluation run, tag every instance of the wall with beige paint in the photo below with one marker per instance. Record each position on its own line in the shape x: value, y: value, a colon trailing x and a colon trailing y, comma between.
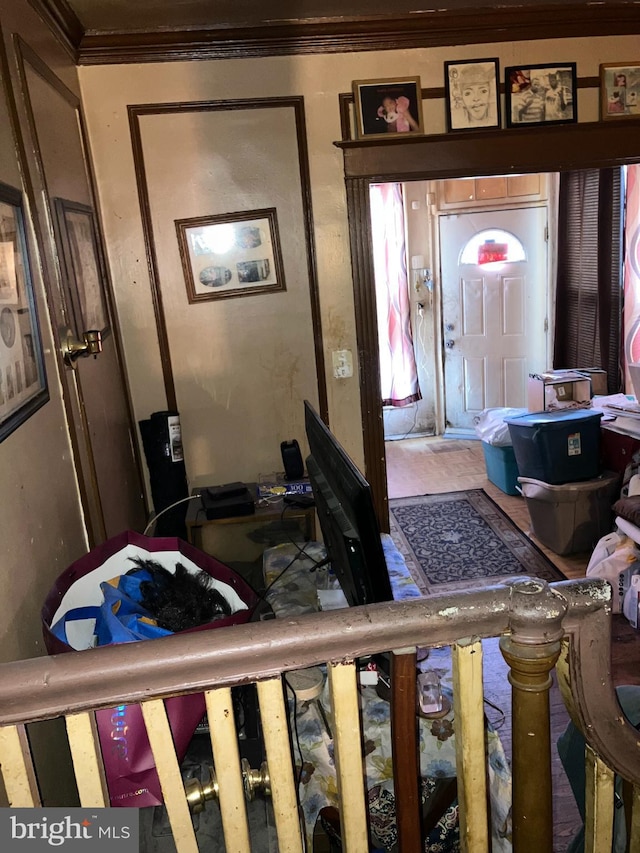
x: 107, y: 90
x: 242, y: 366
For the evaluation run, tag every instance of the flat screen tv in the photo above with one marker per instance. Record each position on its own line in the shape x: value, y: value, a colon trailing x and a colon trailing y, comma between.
x: 347, y: 516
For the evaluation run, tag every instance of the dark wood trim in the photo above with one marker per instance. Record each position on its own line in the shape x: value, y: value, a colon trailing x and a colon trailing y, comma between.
x: 404, y: 740
x: 367, y: 340
x: 136, y: 111
x: 345, y: 100
x: 63, y: 23
x: 312, y: 268
x: 28, y: 54
x: 436, y: 28
x: 495, y: 152
x: 150, y: 249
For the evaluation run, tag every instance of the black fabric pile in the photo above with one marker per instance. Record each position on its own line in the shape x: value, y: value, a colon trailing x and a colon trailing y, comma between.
x: 181, y: 600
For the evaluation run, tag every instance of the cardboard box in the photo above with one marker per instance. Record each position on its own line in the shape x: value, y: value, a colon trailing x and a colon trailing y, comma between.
x: 558, y: 389
x: 598, y: 379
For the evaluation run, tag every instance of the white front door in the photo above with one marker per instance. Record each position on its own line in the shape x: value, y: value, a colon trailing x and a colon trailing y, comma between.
x: 494, y: 317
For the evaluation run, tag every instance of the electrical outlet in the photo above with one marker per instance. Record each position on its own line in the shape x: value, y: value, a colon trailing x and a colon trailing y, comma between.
x: 342, y: 364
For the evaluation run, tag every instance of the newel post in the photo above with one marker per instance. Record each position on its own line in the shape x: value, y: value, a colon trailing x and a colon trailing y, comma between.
x: 531, y: 650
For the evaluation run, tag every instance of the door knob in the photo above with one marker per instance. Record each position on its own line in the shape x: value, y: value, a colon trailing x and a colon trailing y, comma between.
x: 73, y: 349
x: 449, y: 344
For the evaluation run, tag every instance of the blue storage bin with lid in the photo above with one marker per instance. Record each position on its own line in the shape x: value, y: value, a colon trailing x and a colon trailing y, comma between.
x: 502, y: 469
x: 557, y: 447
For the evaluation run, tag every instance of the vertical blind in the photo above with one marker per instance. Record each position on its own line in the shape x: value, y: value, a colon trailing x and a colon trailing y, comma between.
x: 589, y: 283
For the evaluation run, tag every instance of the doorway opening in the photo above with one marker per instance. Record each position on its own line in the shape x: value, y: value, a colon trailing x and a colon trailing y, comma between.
x: 476, y: 328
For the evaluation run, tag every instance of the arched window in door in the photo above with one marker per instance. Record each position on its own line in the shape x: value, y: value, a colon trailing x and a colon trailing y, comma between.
x: 492, y: 245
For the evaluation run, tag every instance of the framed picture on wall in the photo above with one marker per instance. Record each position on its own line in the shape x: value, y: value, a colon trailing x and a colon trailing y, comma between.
x: 83, y: 265
x: 231, y: 254
x: 620, y: 90
x: 473, y: 94
x: 23, y: 384
x: 541, y: 94
x: 385, y: 108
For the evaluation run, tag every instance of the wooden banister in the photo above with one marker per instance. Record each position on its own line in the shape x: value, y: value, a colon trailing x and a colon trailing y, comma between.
x: 533, y: 619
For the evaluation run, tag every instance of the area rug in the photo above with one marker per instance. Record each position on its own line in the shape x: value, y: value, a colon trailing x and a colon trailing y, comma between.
x: 463, y: 536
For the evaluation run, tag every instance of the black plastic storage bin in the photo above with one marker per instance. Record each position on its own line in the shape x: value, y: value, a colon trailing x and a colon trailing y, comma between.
x: 557, y: 447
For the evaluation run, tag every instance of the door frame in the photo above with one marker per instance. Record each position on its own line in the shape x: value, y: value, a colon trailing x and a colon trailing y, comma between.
x: 473, y: 154
x: 57, y: 296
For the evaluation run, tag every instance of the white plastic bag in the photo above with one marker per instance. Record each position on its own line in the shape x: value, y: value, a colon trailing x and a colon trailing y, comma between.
x: 615, y: 558
x: 631, y: 604
x: 490, y: 425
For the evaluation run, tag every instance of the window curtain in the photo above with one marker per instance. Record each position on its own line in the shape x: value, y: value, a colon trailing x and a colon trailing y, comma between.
x: 632, y: 271
x: 398, y: 371
x: 589, y: 283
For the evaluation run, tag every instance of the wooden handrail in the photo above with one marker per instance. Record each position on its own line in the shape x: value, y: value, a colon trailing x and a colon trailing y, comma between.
x: 42, y: 688
x: 532, y: 617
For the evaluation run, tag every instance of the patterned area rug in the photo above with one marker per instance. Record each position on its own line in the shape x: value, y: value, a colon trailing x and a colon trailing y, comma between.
x: 462, y: 536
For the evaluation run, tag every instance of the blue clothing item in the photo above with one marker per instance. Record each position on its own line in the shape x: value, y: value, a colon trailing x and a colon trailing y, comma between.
x: 571, y: 747
x: 120, y: 618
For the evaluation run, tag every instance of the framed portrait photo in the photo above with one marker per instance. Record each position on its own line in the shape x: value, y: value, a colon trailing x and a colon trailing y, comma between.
x: 231, y: 254
x: 541, y: 94
x: 386, y: 108
x: 23, y: 384
x: 472, y: 94
x: 620, y: 90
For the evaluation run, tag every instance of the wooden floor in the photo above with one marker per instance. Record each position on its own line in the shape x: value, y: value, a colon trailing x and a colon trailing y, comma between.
x: 419, y: 466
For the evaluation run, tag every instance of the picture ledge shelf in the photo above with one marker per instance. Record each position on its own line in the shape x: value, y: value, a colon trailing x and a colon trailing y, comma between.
x: 546, y: 148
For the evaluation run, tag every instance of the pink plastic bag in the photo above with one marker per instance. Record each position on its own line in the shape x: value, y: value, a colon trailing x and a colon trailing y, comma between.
x: 131, y: 775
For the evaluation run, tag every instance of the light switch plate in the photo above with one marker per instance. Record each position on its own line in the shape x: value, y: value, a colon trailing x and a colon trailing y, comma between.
x: 342, y: 364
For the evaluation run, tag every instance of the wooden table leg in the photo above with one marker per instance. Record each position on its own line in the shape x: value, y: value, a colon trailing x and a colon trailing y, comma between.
x: 404, y: 737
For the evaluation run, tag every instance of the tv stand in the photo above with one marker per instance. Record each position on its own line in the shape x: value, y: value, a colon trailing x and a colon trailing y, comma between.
x: 273, y: 512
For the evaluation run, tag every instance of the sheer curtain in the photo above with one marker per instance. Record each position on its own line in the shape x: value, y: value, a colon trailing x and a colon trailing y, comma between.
x: 398, y: 371
x: 632, y: 271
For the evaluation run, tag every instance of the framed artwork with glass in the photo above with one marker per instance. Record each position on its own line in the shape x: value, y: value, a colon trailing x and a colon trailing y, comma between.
x: 472, y: 94
x: 620, y: 90
x: 231, y: 254
x: 83, y: 265
x: 23, y: 383
x: 541, y: 94
x: 386, y: 108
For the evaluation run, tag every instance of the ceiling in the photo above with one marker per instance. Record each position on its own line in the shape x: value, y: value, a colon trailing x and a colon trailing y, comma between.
x: 144, y: 15
x: 107, y: 31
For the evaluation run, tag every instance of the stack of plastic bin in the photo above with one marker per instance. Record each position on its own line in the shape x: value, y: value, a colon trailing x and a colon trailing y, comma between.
x: 558, y: 456
x: 491, y: 427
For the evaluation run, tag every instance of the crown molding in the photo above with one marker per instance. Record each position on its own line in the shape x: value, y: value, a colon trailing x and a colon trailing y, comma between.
x: 63, y: 21
x: 428, y: 29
